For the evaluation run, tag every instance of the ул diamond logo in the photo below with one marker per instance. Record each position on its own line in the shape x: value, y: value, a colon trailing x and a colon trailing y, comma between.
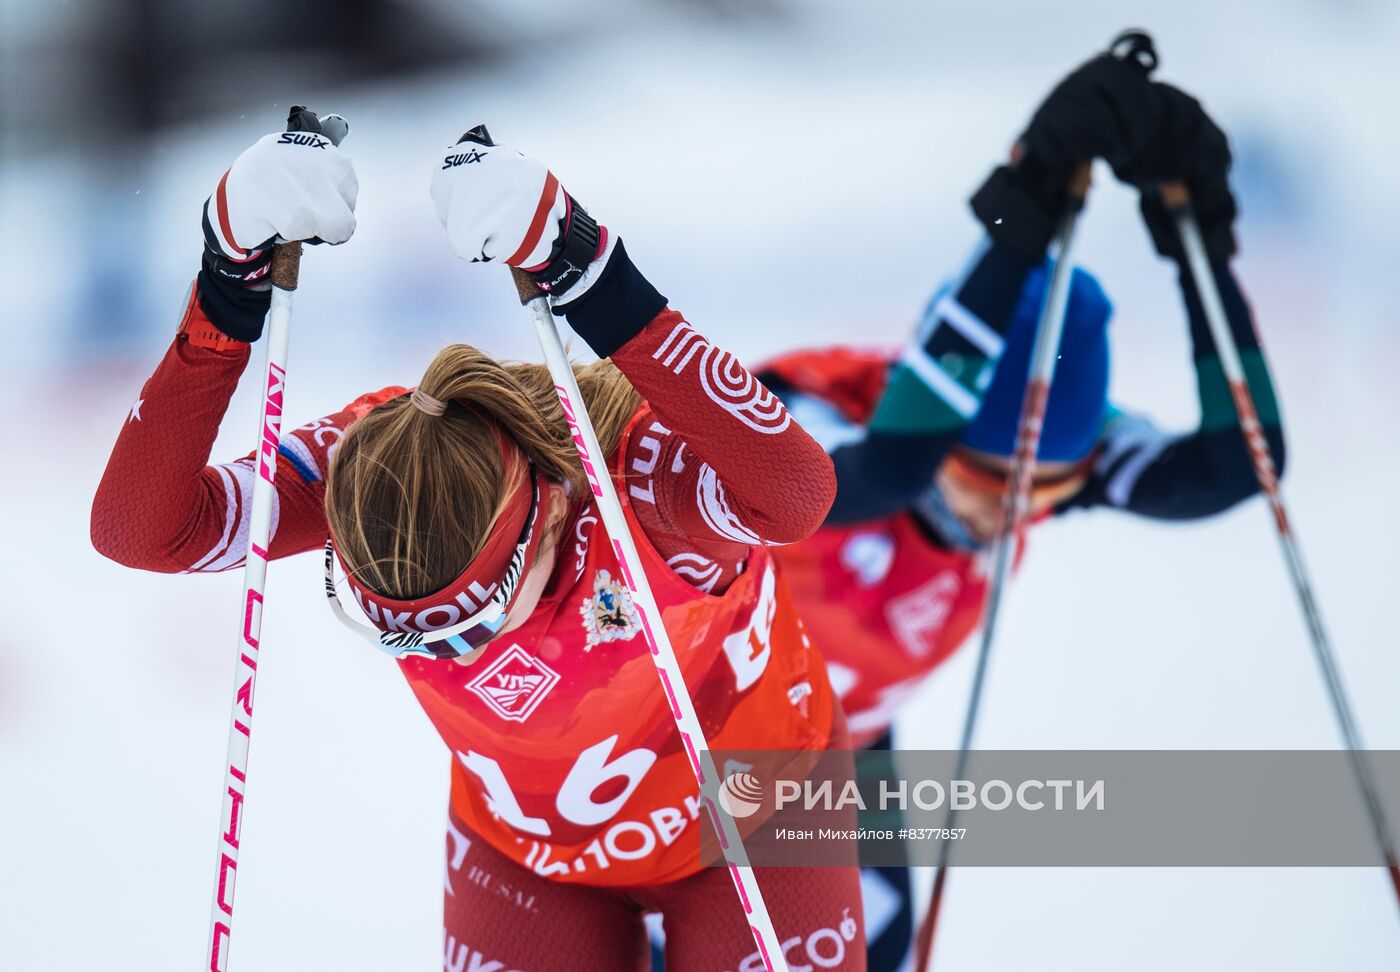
x: 515, y: 684
x: 740, y: 794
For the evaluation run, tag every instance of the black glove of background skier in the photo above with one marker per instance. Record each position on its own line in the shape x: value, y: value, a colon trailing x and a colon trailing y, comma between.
x: 1106, y: 109
x: 1187, y: 147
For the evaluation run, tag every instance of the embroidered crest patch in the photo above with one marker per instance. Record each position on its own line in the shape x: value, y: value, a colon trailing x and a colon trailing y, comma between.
x: 515, y: 684
x: 609, y: 615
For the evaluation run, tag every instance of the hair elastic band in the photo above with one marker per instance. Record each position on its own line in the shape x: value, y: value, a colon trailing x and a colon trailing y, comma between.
x: 426, y: 403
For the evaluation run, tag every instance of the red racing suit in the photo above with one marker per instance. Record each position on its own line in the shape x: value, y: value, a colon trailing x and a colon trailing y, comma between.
x: 566, y: 757
x: 568, y: 760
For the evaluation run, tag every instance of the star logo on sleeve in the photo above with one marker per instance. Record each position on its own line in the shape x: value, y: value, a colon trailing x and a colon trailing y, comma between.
x: 135, y: 415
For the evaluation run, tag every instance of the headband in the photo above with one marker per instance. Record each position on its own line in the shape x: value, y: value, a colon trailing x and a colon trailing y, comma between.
x: 471, y: 609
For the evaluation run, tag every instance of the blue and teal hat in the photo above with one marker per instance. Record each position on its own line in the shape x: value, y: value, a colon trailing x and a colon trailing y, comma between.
x: 1079, y: 390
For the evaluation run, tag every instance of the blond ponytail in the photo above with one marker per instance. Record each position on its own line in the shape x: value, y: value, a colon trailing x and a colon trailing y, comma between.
x: 412, y: 496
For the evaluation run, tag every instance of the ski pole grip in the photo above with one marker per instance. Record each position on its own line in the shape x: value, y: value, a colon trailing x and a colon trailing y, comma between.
x: 1078, y: 188
x: 286, y: 265
x: 286, y: 256
x: 525, y: 285
x: 1175, y: 196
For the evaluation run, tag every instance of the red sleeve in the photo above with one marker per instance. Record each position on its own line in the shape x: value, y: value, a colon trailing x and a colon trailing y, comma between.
x: 160, y: 507
x: 717, y: 464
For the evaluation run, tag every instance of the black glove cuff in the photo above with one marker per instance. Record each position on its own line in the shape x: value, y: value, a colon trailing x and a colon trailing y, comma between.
x: 235, y: 310
x: 1017, y: 215
x: 1219, y: 239
x: 575, y: 249
x: 616, y: 307
x: 1216, y: 223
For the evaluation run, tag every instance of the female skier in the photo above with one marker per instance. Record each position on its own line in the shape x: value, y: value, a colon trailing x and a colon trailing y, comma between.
x: 921, y: 442
x: 461, y: 519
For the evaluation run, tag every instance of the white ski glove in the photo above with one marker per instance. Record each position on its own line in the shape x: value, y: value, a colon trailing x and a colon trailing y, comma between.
x: 296, y: 185
x: 499, y: 205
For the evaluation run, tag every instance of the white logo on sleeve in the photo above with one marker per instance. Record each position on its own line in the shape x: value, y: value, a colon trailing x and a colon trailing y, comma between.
x: 713, y: 504
x: 727, y: 383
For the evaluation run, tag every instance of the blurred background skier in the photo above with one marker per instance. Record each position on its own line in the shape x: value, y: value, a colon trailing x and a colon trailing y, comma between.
x: 921, y: 439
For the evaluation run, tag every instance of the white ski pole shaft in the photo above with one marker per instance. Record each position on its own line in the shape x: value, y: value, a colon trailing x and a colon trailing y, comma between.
x: 668, y: 669
x: 1044, y: 354
x: 1198, y: 265
x: 286, y: 262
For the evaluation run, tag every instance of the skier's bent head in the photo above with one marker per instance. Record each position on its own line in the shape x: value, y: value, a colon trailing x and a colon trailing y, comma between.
x: 973, y: 478
x: 445, y: 504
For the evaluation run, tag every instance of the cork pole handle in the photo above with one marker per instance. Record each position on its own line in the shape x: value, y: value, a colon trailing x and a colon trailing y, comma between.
x: 286, y: 265
x: 525, y: 285
x: 1078, y: 188
x: 1175, y: 196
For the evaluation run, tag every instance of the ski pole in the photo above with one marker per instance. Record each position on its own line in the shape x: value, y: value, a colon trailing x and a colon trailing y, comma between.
x: 1011, y: 528
x: 283, y: 273
x: 663, y: 656
x: 1178, y: 202
x: 286, y: 261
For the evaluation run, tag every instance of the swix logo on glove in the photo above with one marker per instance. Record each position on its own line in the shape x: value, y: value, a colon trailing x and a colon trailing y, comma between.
x: 303, y: 138
x: 462, y: 158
